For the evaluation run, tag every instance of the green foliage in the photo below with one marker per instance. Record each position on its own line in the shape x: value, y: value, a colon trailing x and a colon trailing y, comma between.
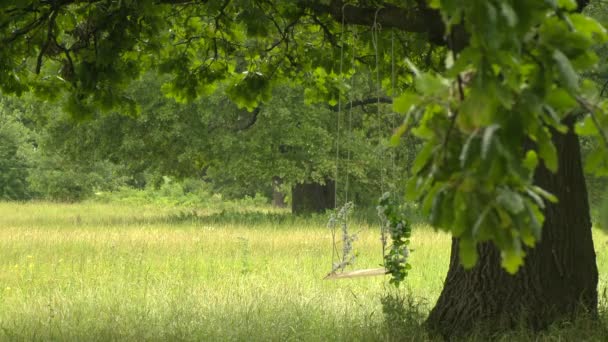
x: 57, y: 179
x: 237, y: 152
x: 32, y: 169
x: 187, y: 192
x: 513, y: 83
x: 15, y: 155
x: 399, y: 229
x: 403, y: 315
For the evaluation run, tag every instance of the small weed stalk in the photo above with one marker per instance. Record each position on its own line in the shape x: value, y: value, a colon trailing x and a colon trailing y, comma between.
x: 340, y: 219
x: 403, y: 314
x: 244, y: 247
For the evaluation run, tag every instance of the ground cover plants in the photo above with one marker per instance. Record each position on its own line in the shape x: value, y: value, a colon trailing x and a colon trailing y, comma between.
x: 107, y: 271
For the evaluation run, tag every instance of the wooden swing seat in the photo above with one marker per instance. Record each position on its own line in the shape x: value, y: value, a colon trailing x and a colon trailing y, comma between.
x: 370, y: 272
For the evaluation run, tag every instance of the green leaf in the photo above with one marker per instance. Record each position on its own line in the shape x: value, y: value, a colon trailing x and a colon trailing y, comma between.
x: 536, y: 197
x: 432, y: 85
x: 468, y: 252
x: 586, y: 127
x: 504, y: 218
x: 405, y: 101
x: 567, y: 74
x: 411, y: 189
x: 480, y: 219
x: 596, y: 162
x: 546, y: 149
x: 569, y: 5
x: 512, y: 259
x: 510, y: 200
x: 560, y: 100
x: 400, y: 131
x: 479, y: 108
x: 488, y: 134
x: 531, y: 160
x: 423, y: 157
x: 508, y: 13
x: 464, y: 154
x: 526, y: 237
x: 460, y: 221
x: 589, y: 27
x: 544, y: 193
x: 536, y: 219
x: 554, y: 120
x: 431, y: 199
x: 435, y: 216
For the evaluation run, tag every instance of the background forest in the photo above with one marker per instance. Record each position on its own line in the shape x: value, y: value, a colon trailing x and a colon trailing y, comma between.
x: 206, y: 147
x: 189, y: 153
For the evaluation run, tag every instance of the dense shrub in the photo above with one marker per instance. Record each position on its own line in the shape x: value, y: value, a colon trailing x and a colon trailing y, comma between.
x: 15, y: 158
x: 57, y: 179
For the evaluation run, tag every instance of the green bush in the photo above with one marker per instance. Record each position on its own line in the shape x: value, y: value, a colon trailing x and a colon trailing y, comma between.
x: 189, y: 192
x: 60, y: 185
x: 57, y: 179
x: 14, y: 157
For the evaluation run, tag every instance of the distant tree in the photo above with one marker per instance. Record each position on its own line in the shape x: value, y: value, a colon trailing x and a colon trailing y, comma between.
x: 31, y: 168
x: 15, y: 155
x: 238, y: 152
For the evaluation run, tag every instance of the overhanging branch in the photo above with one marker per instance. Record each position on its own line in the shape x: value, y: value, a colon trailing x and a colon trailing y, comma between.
x: 416, y: 19
x: 364, y: 102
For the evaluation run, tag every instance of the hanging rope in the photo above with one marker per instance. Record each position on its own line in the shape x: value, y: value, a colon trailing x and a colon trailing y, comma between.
x: 335, y: 253
x: 375, y: 32
x: 340, y: 218
x: 350, y: 118
x: 339, y: 114
x: 393, y: 114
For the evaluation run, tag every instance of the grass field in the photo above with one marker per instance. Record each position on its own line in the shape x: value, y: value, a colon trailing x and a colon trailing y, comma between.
x: 103, y: 272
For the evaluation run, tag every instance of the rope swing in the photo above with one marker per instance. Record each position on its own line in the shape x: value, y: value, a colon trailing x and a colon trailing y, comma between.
x: 340, y: 217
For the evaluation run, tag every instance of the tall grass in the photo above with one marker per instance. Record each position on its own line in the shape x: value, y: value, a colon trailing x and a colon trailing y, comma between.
x: 99, y: 272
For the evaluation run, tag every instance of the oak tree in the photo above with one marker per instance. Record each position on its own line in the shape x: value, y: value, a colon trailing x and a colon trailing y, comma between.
x: 500, y: 168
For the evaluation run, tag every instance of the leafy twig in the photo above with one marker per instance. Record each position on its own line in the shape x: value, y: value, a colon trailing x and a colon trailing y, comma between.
x: 592, y: 109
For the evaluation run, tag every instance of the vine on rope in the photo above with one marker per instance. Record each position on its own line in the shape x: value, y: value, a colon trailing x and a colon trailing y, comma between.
x: 395, y: 223
x: 339, y: 218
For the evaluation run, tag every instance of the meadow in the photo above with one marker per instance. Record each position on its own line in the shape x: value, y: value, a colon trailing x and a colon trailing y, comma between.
x: 101, y: 272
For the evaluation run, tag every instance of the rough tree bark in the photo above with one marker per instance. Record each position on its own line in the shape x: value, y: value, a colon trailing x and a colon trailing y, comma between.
x: 308, y: 198
x: 278, y: 198
x: 559, y: 277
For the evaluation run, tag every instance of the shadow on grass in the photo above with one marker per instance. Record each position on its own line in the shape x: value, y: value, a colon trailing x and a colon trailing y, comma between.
x: 250, y: 217
x: 246, y: 218
x: 361, y: 216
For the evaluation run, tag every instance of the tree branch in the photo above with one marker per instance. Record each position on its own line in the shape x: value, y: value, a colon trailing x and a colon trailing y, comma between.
x: 592, y: 111
x: 252, y: 121
x: 27, y: 28
x: 420, y: 19
x: 364, y: 102
x: 49, y: 40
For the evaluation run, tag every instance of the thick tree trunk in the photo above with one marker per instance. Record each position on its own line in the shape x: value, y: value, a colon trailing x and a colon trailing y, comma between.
x: 278, y: 198
x: 308, y: 198
x: 559, y: 278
